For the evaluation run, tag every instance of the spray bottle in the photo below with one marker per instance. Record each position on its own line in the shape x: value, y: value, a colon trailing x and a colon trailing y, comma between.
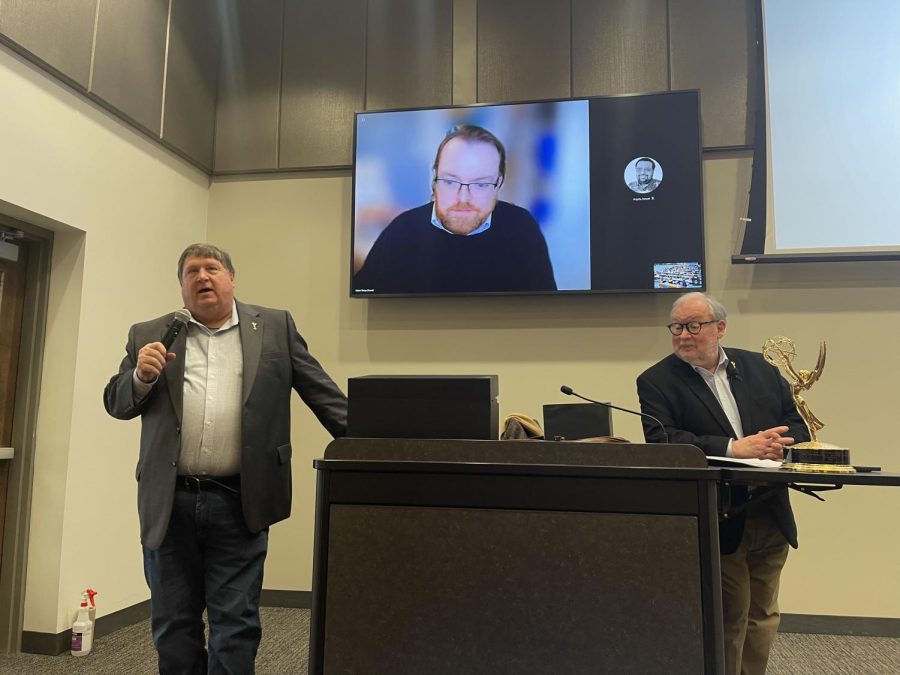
x: 92, y: 609
x: 82, y: 630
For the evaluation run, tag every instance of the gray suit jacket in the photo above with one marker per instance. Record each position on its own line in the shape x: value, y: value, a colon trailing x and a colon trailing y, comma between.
x: 276, y: 361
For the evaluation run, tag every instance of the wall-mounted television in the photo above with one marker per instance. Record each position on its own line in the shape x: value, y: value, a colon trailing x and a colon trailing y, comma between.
x: 590, y: 195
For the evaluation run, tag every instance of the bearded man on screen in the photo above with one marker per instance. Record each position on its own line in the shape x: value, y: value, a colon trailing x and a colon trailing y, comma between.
x: 466, y: 240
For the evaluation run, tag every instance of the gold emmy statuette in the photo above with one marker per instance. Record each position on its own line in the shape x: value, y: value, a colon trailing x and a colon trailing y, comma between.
x: 813, y: 455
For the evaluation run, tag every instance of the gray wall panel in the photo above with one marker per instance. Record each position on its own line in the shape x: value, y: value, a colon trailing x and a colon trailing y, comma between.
x: 59, y: 32
x: 712, y: 50
x: 465, y: 51
x: 409, y: 58
x: 189, y: 114
x: 129, y: 58
x: 523, y: 50
x: 323, y: 81
x: 249, y: 85
x: 281, y: 96
x: 619, y: 47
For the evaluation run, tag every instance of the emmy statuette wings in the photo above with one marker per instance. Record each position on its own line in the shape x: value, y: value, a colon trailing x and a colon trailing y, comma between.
x: 813, y: 455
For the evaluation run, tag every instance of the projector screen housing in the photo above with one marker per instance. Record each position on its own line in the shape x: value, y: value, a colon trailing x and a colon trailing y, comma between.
x: 826, y: 134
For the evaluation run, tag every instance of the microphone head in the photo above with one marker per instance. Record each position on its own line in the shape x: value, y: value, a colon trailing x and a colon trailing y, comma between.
x: 182, y: 315
x: 567, y: 390
x: 179, y: 321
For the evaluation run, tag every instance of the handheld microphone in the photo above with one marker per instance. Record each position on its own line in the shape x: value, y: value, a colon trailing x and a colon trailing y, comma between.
x: 568, y: 391
x: 180, y: 319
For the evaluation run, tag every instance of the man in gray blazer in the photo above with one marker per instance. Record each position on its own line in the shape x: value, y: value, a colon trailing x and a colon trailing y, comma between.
x: 214, y: 469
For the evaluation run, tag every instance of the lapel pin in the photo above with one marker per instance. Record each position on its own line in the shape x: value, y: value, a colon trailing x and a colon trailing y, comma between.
x: 253, y: 324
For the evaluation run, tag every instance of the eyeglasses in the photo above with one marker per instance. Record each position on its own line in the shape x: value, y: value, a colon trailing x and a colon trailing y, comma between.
x: 450, y: 186
x: 693, y: 327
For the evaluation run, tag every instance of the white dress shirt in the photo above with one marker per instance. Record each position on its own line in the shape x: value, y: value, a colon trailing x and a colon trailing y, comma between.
x: 718, y: 383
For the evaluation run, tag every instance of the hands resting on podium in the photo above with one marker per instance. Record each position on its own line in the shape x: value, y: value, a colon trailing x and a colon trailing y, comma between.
x: 767, y: 444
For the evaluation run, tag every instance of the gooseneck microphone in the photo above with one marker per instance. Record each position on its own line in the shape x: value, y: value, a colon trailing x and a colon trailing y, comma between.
x: 180, y: 319
x: 568, y: 391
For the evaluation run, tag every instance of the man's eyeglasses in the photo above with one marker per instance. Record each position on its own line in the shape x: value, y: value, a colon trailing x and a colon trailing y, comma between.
x: 450, y: 186
x: 693, y: 327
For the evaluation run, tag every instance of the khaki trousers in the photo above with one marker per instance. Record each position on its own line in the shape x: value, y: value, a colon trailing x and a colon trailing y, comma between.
x: 750, y: 579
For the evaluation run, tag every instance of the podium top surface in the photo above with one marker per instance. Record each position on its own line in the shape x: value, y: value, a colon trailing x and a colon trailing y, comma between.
x: 536, y: 453
x: 569, y: 453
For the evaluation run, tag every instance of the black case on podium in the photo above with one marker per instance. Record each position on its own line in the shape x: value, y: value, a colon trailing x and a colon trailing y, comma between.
x: 423, y: 406
x: 572, y: 421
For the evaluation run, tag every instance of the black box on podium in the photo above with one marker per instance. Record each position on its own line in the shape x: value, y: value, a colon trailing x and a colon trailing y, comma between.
x: 423, y: 406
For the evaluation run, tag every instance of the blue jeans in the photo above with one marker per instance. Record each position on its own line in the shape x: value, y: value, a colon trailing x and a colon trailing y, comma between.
x: 208, y: 560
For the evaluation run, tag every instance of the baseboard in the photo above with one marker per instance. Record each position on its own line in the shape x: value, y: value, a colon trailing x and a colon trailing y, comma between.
x: 50, y: 644
x: 814, y: 624
x: 57, y: 643
x: 293, y: 599
x: 820, y: 624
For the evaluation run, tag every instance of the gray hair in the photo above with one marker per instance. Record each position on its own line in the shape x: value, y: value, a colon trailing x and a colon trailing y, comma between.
x: 716, y: 308
x: 204, y: 251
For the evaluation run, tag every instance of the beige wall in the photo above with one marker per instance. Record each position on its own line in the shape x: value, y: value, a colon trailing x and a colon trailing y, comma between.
x: 290, y: 239
x: 121, y: 209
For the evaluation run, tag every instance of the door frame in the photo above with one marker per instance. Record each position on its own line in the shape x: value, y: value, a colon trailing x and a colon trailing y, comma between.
x: 14, y: 562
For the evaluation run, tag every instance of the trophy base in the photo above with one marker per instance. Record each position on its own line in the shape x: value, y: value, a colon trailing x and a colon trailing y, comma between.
x: 818, y: 457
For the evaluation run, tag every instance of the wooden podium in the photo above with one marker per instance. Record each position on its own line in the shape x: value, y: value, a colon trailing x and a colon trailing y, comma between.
x: 451, y: 556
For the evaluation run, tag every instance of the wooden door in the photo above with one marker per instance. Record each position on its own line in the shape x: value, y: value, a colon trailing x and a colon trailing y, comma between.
x: 12, y: 294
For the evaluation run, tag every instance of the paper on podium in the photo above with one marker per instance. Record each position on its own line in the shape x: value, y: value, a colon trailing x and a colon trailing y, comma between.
x: 756, y: 463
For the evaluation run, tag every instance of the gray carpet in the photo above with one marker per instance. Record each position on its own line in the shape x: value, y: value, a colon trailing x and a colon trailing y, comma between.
x: 285, y: 650
x: 798, y: 653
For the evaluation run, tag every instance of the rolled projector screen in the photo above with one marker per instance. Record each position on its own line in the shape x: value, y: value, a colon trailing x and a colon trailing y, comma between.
x: 832, y: 132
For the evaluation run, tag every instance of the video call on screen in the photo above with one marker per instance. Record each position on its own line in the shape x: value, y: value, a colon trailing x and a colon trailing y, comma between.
x: 633, y: 233
x: 614, y: 183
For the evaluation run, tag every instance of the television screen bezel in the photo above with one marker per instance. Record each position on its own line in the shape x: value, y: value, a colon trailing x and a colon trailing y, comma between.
x: 566, y: 292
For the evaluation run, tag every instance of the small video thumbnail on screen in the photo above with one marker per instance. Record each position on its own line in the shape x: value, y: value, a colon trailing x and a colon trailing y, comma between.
x: 678, y: 275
